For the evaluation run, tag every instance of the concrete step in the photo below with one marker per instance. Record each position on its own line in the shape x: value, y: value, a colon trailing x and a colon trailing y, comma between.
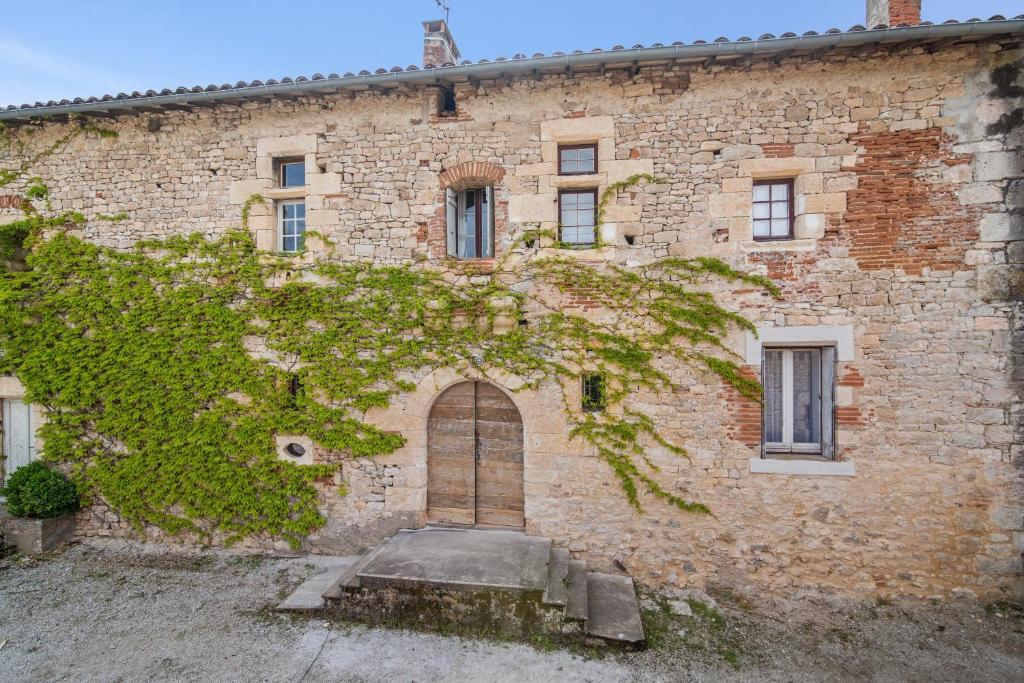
x: 557, y: 593
x: 576, y: 590
x: 349, y: 577
x: 459, y: 559
x: 612, y: 611
x: 309, y: 594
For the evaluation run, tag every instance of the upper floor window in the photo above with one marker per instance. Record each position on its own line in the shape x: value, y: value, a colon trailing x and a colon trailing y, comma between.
x: 798, y: 403
x: 577, y: 211
x: 773, y: 209
x: 577, y: 159
x: 291, y: 172
x: 291, y: 226
x: 470, y: 216
x: 594, y: 400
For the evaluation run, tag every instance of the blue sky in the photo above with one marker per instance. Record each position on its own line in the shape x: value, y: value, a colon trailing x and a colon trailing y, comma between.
x: 61, y: 48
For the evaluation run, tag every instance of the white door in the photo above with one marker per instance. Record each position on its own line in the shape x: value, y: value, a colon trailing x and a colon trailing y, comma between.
x: 19, y: 435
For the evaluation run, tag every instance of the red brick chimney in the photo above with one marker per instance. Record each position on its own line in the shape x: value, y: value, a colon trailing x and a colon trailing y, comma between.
x: 438, y: 45
x: 894, y: 12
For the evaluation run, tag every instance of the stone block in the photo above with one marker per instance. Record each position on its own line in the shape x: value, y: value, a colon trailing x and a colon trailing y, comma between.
x: 729, y: 204
x: 240, y: 190
x: 286, y: 146
x: 582, y: 129
x: 533, y: 208
x: 999, y: 165
x: 776, y: 167
x: 324, y: 183
x: 37, y: 536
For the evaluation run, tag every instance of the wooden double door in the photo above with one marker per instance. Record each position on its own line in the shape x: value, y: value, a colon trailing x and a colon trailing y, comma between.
x: 475, y: 457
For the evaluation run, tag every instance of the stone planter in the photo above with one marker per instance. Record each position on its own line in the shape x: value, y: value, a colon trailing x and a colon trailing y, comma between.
x: 36, y: 536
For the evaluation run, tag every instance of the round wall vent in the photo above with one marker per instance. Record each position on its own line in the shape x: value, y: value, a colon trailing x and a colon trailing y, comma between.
x: 295, y: 450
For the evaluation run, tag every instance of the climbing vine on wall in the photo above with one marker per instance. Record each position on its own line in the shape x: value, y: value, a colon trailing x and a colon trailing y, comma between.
x: 167, y: 370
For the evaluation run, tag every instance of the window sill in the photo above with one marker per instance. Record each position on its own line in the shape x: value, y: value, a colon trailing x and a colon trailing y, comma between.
x: 808, y: 466
x: 277, y: 193
x: 606, y: 253
x: 779, y: 245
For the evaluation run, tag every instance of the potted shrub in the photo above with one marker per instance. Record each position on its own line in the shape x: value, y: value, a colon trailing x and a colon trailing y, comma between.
x: 41, y: 503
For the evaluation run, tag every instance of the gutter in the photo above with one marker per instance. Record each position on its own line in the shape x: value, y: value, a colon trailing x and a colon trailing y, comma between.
x: 487, y: 70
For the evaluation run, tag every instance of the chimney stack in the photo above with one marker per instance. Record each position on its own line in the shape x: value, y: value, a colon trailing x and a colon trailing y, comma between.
x: 438, y: 45
x: 894, y: 12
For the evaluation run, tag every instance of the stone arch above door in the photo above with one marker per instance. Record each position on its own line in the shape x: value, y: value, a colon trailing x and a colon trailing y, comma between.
x: 475, y: 457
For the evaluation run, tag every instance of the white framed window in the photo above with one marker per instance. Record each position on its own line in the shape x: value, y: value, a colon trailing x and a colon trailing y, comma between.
x: 799, y: 402
x: 577, y: 210
x: 291, y: 225
x: 470, y: 216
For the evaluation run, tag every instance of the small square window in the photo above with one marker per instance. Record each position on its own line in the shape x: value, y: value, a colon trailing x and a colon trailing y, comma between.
x: 291, y: 173
x: 593, y: 393
x: 773, y: 210
x: 577, y: 159
x: 291, y: 226
x: 577, y: 211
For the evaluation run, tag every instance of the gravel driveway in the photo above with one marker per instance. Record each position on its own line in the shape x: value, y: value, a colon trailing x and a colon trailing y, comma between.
x: 119, y: 611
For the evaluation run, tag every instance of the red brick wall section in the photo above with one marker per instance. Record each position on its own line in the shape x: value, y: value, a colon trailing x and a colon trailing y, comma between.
x: 904, y: 12
x: 471, y: 174
x: 902, y: 215
x: 744, y: 422
x: 778, y: 150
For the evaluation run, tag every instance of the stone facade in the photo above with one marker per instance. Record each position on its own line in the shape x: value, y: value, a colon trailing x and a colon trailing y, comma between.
x: 908, y: 243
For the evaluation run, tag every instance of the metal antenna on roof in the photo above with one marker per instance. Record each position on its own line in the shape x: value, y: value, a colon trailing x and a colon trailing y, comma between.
x: 444, y: 6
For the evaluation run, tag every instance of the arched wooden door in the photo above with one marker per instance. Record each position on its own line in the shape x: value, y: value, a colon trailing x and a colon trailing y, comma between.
x: 475, y: 457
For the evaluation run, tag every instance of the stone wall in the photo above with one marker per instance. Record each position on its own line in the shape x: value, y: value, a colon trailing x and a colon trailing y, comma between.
x: 907, y: 172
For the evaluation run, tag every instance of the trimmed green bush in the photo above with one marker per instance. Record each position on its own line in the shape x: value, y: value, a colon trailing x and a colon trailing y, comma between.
x: 34, y: 490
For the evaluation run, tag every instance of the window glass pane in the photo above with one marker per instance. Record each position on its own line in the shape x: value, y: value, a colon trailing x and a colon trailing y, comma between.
x: 585, y: 200
x: 762, y: 210
x: 780, y: 227
x: 779, y: 209
x: 762, y: 228
x: 761, y: 193
x: 293, y: 226
x: 467, y: 226
x: 586, y: 153
x: 807, y: 396
x: 772, y: 381
x: 293, y: 174
x: 780, y: 191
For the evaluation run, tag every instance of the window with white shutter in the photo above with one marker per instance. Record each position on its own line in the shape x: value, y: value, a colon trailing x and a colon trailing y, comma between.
x: 798, y: 400
x: 470, y: 223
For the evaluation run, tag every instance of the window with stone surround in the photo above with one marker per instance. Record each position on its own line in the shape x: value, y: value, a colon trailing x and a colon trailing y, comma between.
x: 577, y: 159
x: 773, y: 210
x: 577, y: 212
x: 593, y: 394
x: 470, y: 217
x: 291, y: 226
x: 798, y: 406
x: 291, y: 172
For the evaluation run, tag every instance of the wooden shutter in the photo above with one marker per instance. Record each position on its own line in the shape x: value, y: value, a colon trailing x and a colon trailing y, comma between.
x: 452, y: 216
x: 487, y: 233
x: 828, y: 392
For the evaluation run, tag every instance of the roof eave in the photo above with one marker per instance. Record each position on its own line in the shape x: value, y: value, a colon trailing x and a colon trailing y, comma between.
x: 489, y: 70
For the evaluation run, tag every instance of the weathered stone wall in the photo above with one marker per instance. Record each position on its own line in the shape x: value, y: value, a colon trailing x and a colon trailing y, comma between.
x: 907, y: 170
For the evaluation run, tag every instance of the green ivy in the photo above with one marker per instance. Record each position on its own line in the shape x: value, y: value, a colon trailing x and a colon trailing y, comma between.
x: 143, y: 360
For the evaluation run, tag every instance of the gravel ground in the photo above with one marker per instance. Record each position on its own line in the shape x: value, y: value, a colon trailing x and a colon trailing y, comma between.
x: 119, y: 611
